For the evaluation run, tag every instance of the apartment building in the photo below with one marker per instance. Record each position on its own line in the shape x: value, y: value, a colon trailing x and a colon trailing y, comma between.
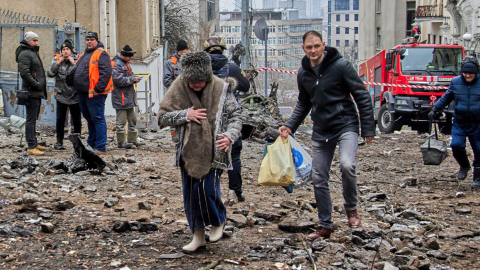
x: 284, y: 44
x: 383, y: 24
x: 446, y: 21
x: 343, y: 26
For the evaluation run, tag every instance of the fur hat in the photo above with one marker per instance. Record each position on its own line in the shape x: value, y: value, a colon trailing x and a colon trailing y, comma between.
x: 214, y: 44
x: 196, y: 66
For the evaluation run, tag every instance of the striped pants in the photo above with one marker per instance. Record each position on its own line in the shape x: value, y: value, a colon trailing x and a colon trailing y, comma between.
x: 203, y: 200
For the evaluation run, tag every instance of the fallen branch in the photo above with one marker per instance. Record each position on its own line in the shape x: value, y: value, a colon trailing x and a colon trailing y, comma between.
x: 309, y: 255
x: 211, y: 265
x: 378, y: 251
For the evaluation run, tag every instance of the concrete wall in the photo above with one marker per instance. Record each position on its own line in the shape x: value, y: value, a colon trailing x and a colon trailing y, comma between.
x: 63, y: 10
x: 391, y: 19
x: 132, y: 18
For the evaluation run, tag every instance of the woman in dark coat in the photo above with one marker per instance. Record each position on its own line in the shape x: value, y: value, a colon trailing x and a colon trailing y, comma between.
x: 67, y: 98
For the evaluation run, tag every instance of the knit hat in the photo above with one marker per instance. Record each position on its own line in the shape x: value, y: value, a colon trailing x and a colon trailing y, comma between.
x: 92, y: 35
x: 469, y: 67
x: 196, y: 67
x: 30, y: 35
x: 127, y: 51
x: 182, y: 45
x: 67, y: 43
x: 214, y: 44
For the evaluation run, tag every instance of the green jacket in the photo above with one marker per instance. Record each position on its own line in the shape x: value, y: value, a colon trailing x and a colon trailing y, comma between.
x: 31, y: 70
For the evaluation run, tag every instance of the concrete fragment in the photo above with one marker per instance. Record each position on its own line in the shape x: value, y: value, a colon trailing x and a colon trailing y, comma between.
x: 47, y: 227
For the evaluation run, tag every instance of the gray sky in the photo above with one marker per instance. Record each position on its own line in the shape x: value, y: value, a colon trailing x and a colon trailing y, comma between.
x: 230, y: 4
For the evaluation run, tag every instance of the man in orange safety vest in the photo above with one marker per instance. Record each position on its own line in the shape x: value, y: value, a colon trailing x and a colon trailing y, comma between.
x: 93, y: 81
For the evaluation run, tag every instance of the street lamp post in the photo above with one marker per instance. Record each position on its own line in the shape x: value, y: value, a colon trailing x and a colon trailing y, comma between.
x: 467, y: 40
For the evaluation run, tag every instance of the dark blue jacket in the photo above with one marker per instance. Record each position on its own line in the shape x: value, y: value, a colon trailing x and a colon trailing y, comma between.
x: 466, y: 98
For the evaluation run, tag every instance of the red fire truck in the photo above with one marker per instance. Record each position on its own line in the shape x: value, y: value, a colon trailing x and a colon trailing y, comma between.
x: 413, y: 76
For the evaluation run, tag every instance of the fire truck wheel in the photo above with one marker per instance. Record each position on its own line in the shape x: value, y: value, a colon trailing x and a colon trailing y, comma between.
x: 387, y: 121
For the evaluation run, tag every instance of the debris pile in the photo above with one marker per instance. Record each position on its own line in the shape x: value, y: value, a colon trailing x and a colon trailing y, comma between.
x: 84, y: 158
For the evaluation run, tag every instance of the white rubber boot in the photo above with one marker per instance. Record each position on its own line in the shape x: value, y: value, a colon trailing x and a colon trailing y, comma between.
x: 197, y: 242
x: 217, y: 232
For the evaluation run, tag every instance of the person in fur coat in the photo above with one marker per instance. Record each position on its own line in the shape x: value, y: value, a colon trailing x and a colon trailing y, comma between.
x: 206, y: 120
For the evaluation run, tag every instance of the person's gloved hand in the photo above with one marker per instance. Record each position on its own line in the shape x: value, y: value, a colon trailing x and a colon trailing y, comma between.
x: 434, y: 114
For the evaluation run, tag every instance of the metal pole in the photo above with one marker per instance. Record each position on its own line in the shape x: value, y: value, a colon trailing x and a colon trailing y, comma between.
x: 55, y: 39
x: 1, y: 61
x: 77, y: 38
x: 266, y: 64
x: 246, y: 33
x: 163, y: 17
x: 22, y: 30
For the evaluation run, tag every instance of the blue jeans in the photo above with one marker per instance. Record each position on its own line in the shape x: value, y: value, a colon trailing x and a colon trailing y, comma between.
x: 93, y: 110
x: 322, y: 155
x: 460, y: 132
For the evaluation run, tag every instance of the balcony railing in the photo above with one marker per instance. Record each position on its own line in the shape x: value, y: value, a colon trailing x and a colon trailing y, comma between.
x: 432, y: 11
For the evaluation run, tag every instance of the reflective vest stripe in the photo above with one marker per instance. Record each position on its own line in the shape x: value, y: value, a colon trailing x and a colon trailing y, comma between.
x: 94, y: 74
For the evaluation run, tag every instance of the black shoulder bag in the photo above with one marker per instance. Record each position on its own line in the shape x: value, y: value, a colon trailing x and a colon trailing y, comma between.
x: 434, y: 151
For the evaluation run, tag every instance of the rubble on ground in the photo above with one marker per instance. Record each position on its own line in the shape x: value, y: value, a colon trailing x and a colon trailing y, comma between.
x: 132, y: 216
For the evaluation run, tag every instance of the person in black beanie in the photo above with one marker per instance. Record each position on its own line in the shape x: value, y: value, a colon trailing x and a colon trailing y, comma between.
x: 67, y: 98
x: 465, y: 90
x: 124, y: 99
x: 173, y: 68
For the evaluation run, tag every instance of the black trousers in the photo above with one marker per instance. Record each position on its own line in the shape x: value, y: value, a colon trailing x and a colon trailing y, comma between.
x: 235, y: 175
x: 33, y: 111
x: 62, y: 116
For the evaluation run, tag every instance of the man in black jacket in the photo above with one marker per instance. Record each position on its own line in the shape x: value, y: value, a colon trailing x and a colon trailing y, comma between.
x: 327, y: 83
x: 222, y: 68
x: 31, y: 70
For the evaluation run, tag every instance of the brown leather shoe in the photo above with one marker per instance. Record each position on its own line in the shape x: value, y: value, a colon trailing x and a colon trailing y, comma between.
x: 353, y: 218
x: 323, y: 232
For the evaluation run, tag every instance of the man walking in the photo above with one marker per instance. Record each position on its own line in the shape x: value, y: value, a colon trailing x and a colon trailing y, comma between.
x: 124, y: 99
x: 222, y: 69
x: 31, y: 70
x: 327, y: 83
x: 67, y: 99
x: 93, y: 81
x: 173, y: 67
x: 465, y: 90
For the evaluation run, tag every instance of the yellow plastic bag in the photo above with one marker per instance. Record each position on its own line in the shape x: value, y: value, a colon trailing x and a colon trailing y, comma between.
x: 277, y: 167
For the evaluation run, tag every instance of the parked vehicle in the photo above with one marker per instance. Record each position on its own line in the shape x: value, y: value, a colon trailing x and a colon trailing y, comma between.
x: 412, y: 71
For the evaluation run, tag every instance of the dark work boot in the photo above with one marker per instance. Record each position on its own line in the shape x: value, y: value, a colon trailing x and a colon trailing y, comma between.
x: 132, y: 138
x: 59, y: 145
x: 121, y: 136
x: 476, y: 178
x: 462, y: 173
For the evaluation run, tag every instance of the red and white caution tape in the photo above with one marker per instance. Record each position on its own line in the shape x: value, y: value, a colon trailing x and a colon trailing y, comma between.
x: 411, y: 86
x: 278, y: 70
x: 365, y: 82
